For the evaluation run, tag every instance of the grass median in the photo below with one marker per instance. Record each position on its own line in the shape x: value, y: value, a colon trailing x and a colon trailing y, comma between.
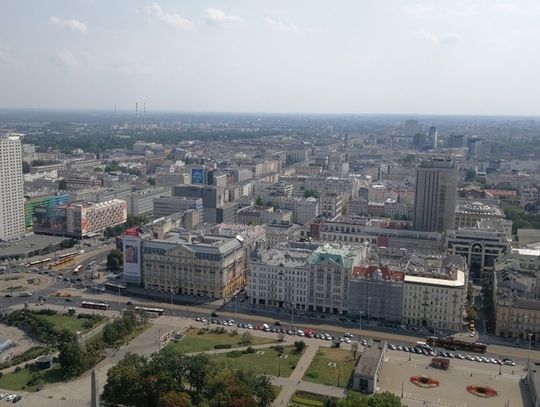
x: 202, y: 340
x: 331, y: 366
x: 274, y: 360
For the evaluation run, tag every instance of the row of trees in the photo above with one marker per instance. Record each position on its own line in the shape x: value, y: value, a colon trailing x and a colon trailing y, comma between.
x: 119, y: 328
x: 172, y: 379
x: 521, y: 219
x: 132, y: 220
x: 355, y: 399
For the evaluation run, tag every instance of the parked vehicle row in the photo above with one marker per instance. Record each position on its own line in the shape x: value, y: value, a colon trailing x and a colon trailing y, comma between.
x: 278, y: 328
x: 429, y: 352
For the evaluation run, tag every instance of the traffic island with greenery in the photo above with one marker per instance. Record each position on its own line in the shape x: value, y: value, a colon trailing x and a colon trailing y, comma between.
x: 46, y: 325
x: 171, y: 378
x: 331, y: 366
x: 275, y: 360
x: 73, y: 358
x: 202, y: 340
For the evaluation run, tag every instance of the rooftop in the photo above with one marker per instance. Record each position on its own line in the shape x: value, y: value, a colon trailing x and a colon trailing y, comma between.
x: 370, y: 359
x: 478, y: 208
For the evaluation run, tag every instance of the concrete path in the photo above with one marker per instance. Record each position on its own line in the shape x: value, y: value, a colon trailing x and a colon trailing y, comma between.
x: 290, y: 384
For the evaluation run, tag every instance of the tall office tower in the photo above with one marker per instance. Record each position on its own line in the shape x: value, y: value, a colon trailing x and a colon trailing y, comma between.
x: 436, y: 193
x: 432, y: 136
x: 11, y: 187
x: 411, y: 128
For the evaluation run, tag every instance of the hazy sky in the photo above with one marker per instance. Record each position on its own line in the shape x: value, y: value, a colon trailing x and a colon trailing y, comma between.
x: 376, y: 56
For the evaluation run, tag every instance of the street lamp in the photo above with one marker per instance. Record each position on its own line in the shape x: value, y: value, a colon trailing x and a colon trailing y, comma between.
x: 529, y: 351
x: 172, y: 304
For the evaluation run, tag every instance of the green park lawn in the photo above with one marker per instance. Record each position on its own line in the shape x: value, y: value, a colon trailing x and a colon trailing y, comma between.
x: 71, y: 323
x: 207, y: 340
x: 263, y: 360
x: 322, y: 370
x: 19, y: 380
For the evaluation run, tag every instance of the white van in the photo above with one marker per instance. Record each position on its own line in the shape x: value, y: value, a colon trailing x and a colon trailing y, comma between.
x: 266, y: 327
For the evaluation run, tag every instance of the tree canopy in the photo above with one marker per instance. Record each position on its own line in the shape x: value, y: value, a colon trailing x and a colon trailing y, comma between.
x: 171, y: 378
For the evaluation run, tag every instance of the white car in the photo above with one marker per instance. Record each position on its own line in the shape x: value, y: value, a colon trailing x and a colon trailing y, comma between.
x: 347, y: 340
x: 300, y: 333
x: 328, y: 337
x: 10, y: 397
x: 348, y: 335
x: 2, y: 395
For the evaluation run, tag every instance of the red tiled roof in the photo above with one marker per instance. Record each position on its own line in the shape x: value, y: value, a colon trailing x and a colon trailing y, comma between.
x: 367, y: 272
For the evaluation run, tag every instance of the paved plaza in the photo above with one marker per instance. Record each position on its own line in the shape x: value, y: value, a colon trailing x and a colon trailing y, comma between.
x: 397, y: 370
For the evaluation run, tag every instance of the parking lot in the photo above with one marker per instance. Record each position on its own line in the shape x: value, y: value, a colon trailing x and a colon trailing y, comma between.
x: 397, y: 371
x: 278, y: 328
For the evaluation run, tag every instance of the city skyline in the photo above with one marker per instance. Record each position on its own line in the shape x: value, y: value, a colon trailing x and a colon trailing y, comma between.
x: 389, y: 58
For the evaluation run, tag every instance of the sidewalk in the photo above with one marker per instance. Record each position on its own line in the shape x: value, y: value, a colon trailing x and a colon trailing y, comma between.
x: 290, y: 384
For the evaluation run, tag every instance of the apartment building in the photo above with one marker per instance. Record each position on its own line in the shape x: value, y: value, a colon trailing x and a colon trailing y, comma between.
x: 376, y: 293
x: 278, y: 277
x: 435, y: 292
x: 330, y: 271
x: 11, y: 187
x: 304, y: 276
x: 200, y: 265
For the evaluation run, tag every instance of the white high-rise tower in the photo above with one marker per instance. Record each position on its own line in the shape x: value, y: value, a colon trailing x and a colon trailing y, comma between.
x: 11, y: 187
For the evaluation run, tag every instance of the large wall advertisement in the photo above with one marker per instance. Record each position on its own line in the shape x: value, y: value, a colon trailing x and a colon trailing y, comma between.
x: 52, y: 220
x: 132, y: 260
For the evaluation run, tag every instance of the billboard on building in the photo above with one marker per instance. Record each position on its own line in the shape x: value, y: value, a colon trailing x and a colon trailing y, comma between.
x: 52, y: 220
x: 197, y: 176
x: 31, y: 205
x: 132, y: 260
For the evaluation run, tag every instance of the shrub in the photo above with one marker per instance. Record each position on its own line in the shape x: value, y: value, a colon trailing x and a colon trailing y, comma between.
x: 234, y: 354
x: 1, y: 374
x: 201, y: 332
x: 279, y: 349
x: 306, y: 402
x: 18, y: 369
x: 250, y: 350
x: 299, y: 346
x: 313, y: 375
x: 234, y: 332
x: 223, y: 346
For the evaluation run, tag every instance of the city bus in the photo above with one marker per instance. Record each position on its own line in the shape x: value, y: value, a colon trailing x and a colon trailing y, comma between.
x: 62, y: 261
x: 151, y: 312
x: 117, y: 288
x: 455, y: 344
x: 96, y: 305
x: 39, y: 262
x: 77, y: 269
